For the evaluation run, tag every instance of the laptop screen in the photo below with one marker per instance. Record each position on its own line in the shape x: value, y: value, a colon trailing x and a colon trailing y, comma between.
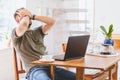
x: 76, y: 46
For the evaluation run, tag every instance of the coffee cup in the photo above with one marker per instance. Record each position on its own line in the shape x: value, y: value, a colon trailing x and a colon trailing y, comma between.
x: 47, y: 57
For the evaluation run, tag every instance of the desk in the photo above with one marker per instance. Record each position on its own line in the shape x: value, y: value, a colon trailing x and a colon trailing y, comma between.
x: 91, y: 62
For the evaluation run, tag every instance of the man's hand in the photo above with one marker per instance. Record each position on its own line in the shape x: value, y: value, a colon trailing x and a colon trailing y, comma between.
x: 24, y: 12
x: 24, y: 21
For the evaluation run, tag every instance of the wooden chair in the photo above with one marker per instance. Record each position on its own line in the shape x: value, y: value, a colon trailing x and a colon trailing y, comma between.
x: 100, y: 75
x: 18, y: 69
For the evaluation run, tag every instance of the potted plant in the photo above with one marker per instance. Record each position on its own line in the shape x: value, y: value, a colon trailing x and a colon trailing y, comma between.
x: 108, y: 34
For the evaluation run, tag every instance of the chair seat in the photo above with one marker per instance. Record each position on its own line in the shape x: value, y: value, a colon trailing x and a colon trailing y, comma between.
x: 99, y: 76
x: 93, y: 74
x: 92, y: 71
x: 87, y: 71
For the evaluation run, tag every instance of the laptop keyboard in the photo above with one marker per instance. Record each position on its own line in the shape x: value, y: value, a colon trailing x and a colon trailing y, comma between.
x: 59, y: 57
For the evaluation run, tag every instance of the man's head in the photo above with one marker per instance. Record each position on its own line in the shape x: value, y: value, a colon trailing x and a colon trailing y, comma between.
x: 17, y: 15
x: 20, y: 13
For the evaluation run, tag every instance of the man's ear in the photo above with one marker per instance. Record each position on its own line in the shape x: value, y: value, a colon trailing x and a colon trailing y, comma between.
x: 17, y: 20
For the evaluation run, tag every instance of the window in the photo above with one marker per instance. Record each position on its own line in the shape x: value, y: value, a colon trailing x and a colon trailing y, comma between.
x: 76, y: 17
x: 73, y: 17
x: 7, y: 8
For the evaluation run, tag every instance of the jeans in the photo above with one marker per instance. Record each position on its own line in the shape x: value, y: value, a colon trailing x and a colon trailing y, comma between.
x: 43, y: 73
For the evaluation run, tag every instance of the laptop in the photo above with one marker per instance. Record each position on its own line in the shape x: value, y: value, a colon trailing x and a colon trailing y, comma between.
x: 76, y: 48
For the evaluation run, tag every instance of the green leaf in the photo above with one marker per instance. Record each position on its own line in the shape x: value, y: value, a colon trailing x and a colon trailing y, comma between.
x: 110, y: 31
x: 6, y: 36
x: 104, y: 30
x: 108, y: 34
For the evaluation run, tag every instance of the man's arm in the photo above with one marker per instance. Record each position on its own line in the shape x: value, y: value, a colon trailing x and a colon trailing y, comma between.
x: 23, y: 26
x: 49, y: 22
x: 23, y: 19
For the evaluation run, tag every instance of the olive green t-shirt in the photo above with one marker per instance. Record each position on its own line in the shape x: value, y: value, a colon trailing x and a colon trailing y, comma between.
x: 30, y: 46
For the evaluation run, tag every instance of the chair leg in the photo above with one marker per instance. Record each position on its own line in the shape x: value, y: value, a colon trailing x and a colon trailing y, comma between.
x: 115, y: 73
x: 88, y: 78
x: 15, y: 65
x: 67, y: 68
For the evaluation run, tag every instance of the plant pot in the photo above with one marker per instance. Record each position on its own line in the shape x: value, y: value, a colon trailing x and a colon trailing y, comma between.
x: 109, y: 41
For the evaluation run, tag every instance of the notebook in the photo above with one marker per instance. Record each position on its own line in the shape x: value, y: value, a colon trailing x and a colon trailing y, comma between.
x: 76, y: 48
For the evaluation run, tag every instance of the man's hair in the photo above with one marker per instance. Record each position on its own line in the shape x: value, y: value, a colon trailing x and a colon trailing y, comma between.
x: 15, y: 14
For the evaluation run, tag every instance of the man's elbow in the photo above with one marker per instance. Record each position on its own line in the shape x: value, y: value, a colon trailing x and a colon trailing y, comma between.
x: 52, y: 22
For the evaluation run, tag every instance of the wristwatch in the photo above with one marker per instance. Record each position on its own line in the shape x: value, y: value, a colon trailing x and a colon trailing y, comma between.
x: 33, y: 17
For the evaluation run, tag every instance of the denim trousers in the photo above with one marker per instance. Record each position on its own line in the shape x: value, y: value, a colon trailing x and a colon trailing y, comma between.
x: 43, y: 73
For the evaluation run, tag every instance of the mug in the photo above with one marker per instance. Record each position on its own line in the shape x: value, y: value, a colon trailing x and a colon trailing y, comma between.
x: 46, y: 57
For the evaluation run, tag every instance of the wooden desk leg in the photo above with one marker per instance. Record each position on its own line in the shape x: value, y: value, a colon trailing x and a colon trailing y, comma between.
x: 79, y: 73
x: 110, y: 74
x: 52, y: 72
x: 115, y: 74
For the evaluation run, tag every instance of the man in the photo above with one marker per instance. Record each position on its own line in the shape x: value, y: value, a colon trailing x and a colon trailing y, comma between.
x: 29, y: 44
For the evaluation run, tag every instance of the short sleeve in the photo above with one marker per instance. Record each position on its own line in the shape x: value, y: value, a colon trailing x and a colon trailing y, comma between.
x: 14, y: 37
x: 39, y: 30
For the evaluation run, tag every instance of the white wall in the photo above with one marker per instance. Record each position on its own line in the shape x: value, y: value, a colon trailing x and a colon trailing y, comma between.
x: 6, y: 65
x: 107, y: 12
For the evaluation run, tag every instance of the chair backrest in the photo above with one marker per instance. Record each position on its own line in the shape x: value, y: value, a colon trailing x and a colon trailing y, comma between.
x: 64, y: 47
x: 116, y: 38
x: 18, y: 68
